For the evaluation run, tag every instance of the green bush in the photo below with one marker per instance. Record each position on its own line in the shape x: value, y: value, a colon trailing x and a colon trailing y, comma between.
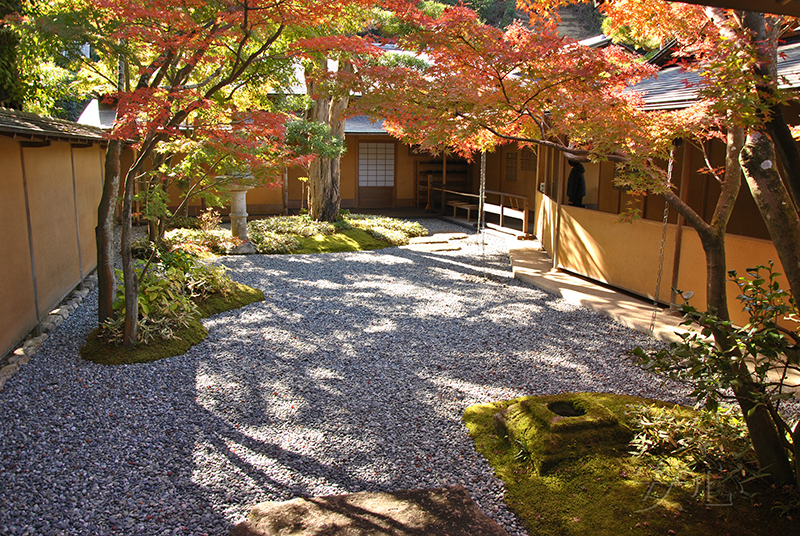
x: 284, y: 234
x: 298, y: 225
x: 165, y: 307
x: 183, y: 222
x: 201, y: 243
x: 683, y: 445
x: 168, y: 296
x: 270, y: 242
x: 368, y: 221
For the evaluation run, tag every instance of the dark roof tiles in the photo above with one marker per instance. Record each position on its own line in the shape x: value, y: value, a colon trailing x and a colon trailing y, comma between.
x: 35, y: 127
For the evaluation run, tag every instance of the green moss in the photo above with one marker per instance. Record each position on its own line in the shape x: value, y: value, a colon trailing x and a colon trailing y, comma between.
x: 579, y: 478
x: 242, y: 295
x: 111, y: 354
x: 348, y: 240
x: 101, y: 352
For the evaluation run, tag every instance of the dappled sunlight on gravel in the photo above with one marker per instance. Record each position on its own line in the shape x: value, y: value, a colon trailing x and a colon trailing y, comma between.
x: 352, y: 375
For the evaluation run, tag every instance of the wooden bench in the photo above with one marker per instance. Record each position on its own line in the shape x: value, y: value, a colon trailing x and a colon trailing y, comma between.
x: 469, y: 207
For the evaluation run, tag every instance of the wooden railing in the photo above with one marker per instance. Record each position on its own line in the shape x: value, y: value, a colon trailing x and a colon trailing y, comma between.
x: 510, y: 206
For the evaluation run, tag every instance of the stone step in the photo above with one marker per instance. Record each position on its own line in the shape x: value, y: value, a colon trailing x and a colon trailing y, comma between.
x: 441, y: 512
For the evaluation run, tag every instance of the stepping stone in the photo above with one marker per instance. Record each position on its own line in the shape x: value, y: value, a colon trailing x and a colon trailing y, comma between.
x: 433, y: 239
x: 438, y: 238
x: 432, y: 248
x: 431, y: 512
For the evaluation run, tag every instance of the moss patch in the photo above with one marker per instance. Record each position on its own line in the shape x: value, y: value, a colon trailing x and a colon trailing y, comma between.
x: 348, y: 240
x: 572, y: 475
x: 217, y: 303
x: 111, y: 354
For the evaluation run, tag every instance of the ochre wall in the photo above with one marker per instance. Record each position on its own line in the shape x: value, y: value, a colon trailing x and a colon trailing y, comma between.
x: 63, y: 186
x: 52, y: 213
x: 268, y: 199
x: 17, y: 308
x: 626, y: 255
x: 88, y: 165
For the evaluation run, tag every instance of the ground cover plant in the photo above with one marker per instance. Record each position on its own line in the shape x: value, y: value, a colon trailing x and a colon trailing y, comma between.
x: 174, y: 294
x: 603, y: 464
x: 350, y: 232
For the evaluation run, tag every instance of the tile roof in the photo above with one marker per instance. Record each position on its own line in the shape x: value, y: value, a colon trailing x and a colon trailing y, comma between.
x: 674, y: 88
x: 34, y: 127
x: 361, y: 124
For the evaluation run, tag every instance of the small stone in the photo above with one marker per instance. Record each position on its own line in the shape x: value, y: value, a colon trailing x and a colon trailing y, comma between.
x: 23, y: 360
x: 32, y: 345
x: 2, y: 382
x: 246, y: 248
x: 9, y: 370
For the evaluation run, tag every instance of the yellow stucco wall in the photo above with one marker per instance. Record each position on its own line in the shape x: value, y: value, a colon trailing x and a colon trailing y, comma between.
x: 58, y: 179
x: 626, y: 255
x: 17, y: 311
x: 88, y: 165
x: 52, y: 213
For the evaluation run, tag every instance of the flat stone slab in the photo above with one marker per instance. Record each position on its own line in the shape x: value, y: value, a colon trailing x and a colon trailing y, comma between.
x: 438, y: 238
x: 431, y: 512
x: 439, y: 246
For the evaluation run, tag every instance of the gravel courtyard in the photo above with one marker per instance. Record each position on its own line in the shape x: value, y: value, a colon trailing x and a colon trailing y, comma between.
x: 351, y: 376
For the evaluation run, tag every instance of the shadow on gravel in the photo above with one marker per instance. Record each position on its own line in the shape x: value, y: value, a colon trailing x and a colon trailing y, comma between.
x: 351, y: 376
x: 354, y: 372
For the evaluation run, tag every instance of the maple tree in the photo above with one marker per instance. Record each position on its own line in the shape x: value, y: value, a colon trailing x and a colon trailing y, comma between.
x: 483, y: 87
x: 174, y: 70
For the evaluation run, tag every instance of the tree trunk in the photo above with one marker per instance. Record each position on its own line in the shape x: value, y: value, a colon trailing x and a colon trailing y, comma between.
x: 773, y: 458
x: 131, y: 330
x: 774, y: 203
x: 324, y: 174
x: 776, y: 207
x: 104, y: 233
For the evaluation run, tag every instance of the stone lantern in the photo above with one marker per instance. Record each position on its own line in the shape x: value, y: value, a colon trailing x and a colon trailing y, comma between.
x: 238, y: 191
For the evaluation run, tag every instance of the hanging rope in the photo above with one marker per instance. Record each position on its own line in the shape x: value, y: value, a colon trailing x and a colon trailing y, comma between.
x: 663, y: 241
x: 481, y: 215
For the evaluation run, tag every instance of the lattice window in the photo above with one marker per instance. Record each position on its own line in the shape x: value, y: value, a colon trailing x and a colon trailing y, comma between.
x: 376, y: 164
x: 528, y: 161
x: 511, y: 166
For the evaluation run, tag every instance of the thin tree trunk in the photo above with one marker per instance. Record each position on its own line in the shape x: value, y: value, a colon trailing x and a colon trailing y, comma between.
x: 104, y: 232
x: 131, y: 331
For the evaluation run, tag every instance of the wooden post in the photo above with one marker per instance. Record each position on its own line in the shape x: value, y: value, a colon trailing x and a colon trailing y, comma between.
x: 559, y: 197
x: 525, y: 216
x: 286, y: 191
x: 502, y: 208
x: 444, y: 181
x: 686, y: 170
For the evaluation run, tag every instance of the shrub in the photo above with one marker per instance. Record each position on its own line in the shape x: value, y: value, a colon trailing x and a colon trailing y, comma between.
x: 164, y: 307
x: 270, y: 242
x: 682, y: 442
x: 168, y: 296
x: 299, y: 225
x: 210, y: 220
x: 141, y: 248
x: 392, y: 230
x: 201, y: 243
x: 204, y: 279
x: 183, y: 222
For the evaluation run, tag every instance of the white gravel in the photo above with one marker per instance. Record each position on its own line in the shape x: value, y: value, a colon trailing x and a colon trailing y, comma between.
x: 353, y: 375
